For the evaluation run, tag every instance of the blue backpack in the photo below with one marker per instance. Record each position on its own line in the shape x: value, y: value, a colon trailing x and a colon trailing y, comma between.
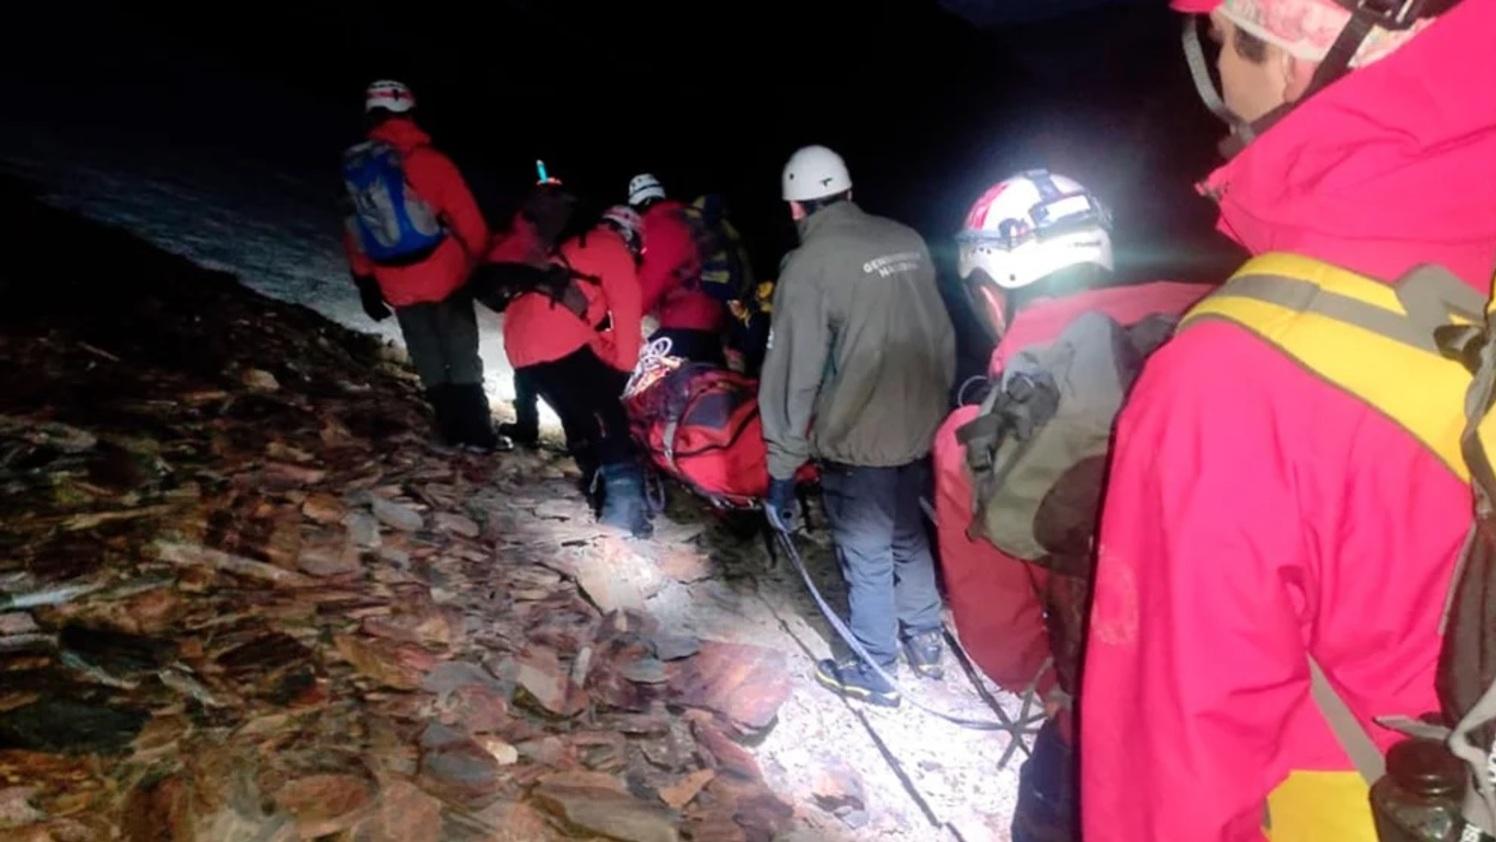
x: 393, y: 224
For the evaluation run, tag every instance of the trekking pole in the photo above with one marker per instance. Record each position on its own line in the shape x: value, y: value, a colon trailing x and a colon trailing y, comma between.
x: 1002, y: 723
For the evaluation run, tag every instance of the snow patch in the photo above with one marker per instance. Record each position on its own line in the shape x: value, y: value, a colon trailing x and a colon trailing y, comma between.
x: 277, y: 233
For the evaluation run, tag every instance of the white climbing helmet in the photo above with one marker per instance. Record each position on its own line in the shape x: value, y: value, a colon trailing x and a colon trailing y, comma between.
x: 390, y: 95
x: 644, y: 187
x: 815, y: 172
x: 1032, y: 225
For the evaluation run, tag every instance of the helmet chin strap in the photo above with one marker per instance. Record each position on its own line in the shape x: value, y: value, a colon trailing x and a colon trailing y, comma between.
x: 1366, y: 15
x: 1243, y: 131
x: 1194, y: 55
x: 1231, y: 145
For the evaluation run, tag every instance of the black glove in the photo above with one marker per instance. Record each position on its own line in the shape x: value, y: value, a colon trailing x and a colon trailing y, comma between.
x: 373, y: 301
x: 781, y: 506
x: 486, y: 286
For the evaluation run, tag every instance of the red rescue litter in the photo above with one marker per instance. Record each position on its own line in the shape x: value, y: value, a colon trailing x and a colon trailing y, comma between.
x: 700, y: 424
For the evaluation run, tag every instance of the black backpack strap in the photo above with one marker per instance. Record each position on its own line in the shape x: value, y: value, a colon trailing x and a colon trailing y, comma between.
x: 1018, y: 407
x: 980, y: 437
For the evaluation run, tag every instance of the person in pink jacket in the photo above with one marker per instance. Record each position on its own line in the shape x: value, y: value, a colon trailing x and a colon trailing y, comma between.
x: 1259, y: 517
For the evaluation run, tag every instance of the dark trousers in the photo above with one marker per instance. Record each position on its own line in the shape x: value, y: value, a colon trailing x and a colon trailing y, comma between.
x: 586, y: 393
x: 752, y: 341
x: 884, y: 550
x: 1047, y: 787
x: 698, y: 346
x: 442, y: 339
x: 526, y: 402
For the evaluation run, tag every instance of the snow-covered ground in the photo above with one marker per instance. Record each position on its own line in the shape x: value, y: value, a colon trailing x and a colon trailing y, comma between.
x: 277, y: 232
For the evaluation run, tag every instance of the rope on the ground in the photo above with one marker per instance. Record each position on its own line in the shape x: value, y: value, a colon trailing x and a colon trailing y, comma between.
x: 1004, y: 723
x: 891, y: 760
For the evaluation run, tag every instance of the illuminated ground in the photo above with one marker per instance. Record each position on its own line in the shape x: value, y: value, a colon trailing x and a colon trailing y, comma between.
x: 924, y: 778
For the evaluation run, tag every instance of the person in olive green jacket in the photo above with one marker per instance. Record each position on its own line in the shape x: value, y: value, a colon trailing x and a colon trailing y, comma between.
x: 861, y: 357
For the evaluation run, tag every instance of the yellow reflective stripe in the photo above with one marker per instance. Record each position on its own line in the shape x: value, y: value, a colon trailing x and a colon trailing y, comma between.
x: 1423, y: 393
x: 1320, y: 807
x: 1419, y: 390
x: 1324, y: 275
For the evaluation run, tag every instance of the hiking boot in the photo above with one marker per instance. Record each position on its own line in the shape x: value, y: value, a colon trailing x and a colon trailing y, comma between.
x: 852, y: 679
x: 589, y: 479
x: 624, y: 506
x: 524, y: 436
x: 443, y: 403
x: 472, y: 420
x: 925, y: 650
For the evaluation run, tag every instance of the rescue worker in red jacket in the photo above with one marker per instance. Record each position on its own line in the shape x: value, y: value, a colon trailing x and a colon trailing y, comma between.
x: 1035, y: 270
x: 415, y: 235
x: 1037, y: 248
x: 670, y: 277
x: 577, y: 346
x: 533, y: 231
x: 1260, y: 519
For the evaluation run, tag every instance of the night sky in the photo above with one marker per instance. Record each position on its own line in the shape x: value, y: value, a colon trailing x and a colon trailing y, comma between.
x: 929, y: 102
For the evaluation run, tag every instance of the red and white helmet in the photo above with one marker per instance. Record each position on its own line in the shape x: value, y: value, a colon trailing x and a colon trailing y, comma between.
x: 629, y: 225
x: 390, y: 95
x: 1032, y: 225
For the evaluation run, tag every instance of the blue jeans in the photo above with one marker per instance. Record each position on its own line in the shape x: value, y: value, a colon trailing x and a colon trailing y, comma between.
x: 884, y: 550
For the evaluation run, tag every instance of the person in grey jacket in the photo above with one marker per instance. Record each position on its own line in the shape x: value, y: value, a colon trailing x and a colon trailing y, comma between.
x: 860, y: 362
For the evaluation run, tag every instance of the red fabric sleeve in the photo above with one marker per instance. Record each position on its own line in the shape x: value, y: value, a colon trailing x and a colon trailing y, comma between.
x: 621, y: 289
x: 669, y: 256
x: 993, y: 597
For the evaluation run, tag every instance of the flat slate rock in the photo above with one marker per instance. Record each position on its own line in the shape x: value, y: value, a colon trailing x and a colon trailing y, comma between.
x: 745, y: 684
x: 68, y: 726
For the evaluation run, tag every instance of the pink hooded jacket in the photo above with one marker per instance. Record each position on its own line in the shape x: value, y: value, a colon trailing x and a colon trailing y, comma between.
x: 1257, y: 515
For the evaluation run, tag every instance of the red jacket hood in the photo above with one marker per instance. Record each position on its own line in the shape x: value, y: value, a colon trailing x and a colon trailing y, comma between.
x: 1390, y: 167
x: 401, y: 133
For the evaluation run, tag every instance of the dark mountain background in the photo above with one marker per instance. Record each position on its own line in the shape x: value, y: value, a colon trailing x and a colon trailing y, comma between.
x: 929, y: 102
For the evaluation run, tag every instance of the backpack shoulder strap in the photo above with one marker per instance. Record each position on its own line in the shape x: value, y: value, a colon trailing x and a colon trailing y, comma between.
x: 1371, y: 339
